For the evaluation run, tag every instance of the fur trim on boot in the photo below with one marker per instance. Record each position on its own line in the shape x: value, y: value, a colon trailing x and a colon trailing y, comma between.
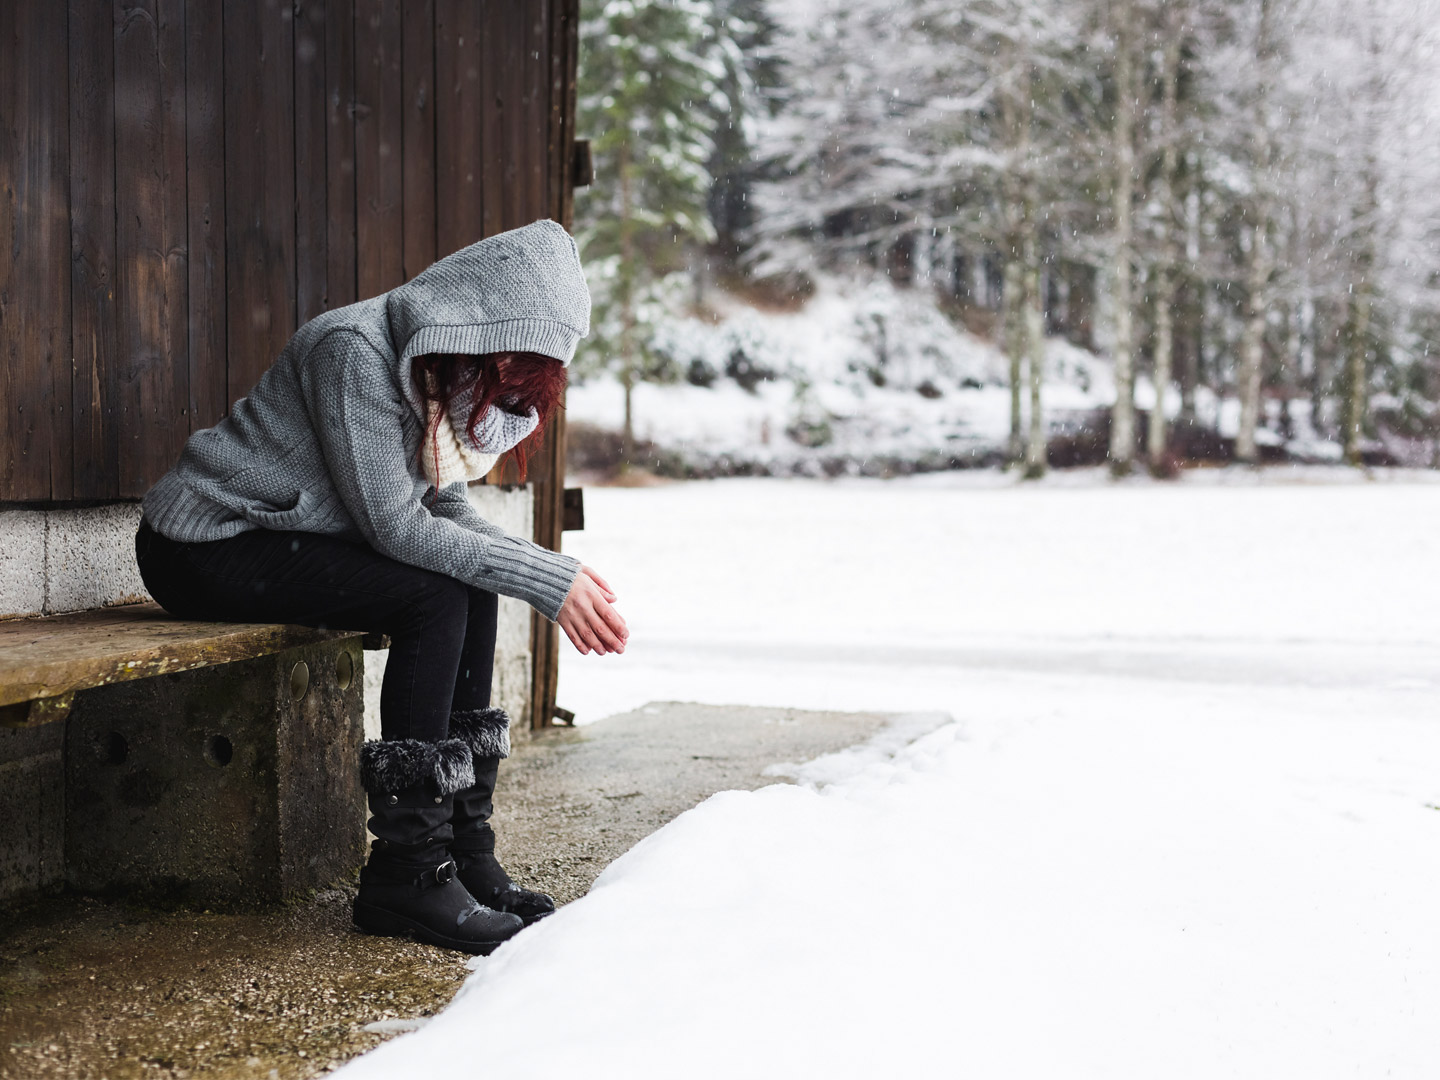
x: 485, y: 731
x: 389, y: 765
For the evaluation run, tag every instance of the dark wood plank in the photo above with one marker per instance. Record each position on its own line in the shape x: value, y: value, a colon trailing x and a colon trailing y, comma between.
x: 34, y: 252
x: 515, y: 137
x: 52, y: 42
x: 547, y: 475
x: 534, y: 171
x: 418, y: 66
x: 205, y: 193
x: 259, y: 188
x: 493, y: 95
x: 567, y: 26
x: 340, y: 251
x: 152, y: 278
x: 94, y: 429
x: 41, y: 658
x: 311, y: 221
x: 458, y: 199
x: 379, y: 229
x: 555, y: 104
x: 550, y: 464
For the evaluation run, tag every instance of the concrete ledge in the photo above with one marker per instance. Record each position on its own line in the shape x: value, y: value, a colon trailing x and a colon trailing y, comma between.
x: 49, y: 657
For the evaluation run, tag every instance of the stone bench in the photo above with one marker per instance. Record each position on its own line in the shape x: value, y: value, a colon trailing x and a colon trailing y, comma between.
x: 210, y: 763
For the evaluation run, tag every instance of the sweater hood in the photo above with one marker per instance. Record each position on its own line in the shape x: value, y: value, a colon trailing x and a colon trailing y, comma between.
x: 517, y: 291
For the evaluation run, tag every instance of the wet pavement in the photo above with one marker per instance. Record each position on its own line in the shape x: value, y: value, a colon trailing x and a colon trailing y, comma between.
x: 100, y: 990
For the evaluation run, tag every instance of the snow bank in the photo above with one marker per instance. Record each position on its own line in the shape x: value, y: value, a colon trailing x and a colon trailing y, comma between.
x: 1183, y: 825
x: 1089, y: 899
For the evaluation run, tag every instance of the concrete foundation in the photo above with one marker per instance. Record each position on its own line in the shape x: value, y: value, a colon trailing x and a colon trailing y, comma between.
x: 513, y: 509
x: 53, y: 561
x: 234, y: 784
x: 22, y: 562
x: 32, y: 809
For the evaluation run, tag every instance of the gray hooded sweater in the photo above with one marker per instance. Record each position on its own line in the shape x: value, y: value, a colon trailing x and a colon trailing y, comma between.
x: 328, y: 441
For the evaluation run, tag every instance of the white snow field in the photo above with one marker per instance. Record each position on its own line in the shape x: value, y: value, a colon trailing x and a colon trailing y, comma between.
x: 1185, y: 821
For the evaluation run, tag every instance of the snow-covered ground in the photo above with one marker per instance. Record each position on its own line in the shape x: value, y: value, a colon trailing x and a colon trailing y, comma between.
x: 1184, y: 823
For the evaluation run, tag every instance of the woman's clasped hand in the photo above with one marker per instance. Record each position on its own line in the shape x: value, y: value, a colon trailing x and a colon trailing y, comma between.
x: 588, y: 618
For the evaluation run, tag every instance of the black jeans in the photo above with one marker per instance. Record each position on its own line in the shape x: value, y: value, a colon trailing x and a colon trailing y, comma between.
x: 442, y: 631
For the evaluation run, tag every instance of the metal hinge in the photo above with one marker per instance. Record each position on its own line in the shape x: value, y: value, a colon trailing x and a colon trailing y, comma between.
x: 572, y: 510
x: 582, y: 165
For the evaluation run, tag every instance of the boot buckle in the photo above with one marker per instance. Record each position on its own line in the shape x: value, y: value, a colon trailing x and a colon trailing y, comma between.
x: 437, y: 875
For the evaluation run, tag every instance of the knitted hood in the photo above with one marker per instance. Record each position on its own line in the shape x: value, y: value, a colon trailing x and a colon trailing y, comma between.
x: 520, y: 291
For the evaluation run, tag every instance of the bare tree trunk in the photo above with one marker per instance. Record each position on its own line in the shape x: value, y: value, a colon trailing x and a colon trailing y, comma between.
x: 627, y: 306
x: 1012, y: 320
x: 1357, y: 367
x: 1360, y: 317
x: 1194, y: 310
x: 1252, y: 345
x: 1122, y: 422
x: 1158, y: 440
x: 1252, y: 342
x: 1015, y: 115
x: 1035, y: 346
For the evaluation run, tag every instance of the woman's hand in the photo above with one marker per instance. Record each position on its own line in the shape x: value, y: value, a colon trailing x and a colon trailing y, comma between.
x: 587, y: 618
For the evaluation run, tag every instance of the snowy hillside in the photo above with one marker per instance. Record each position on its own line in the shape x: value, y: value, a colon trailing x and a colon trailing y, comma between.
x: 867, y: 378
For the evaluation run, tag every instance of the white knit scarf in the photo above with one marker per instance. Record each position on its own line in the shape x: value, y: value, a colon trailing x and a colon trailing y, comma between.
x: 448, y: 456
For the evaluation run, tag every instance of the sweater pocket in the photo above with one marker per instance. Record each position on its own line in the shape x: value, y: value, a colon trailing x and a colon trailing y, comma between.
x: 282, y: 514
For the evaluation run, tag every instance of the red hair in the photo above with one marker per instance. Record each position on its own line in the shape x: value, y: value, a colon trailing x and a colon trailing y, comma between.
x: 525, y: 381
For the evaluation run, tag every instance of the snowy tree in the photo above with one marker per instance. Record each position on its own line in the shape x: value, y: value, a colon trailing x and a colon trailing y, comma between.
x: 914, y: 128
x: 650, y: 95
x: 1384, y: 214
x: 1251, y: 183
x: 745, y: 35
x: 1259, y: 31
x: 1170, y: 32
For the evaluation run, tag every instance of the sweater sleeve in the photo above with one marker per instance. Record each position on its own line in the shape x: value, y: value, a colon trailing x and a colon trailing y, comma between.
x: 358, y: 418
x: 452, y: 502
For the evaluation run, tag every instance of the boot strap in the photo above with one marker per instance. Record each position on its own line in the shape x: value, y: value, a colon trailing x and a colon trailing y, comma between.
x: 437, y: 875
x: 400, y: 874
x: 473, y: 845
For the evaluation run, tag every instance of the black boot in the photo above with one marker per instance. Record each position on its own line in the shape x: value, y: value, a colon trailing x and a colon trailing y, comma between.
x: 487, y: 733
x: 409, y: 887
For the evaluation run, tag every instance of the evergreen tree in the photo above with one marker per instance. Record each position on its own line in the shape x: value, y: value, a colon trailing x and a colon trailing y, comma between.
x: 746, y: 35
x: 651, y: 90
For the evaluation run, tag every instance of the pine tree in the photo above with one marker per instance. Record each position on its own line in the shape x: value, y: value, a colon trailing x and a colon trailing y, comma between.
x: 650, y: 94
x: 745, y: 36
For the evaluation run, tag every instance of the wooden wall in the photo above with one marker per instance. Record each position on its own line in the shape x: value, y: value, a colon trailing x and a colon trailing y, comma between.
x: 184, y: 182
